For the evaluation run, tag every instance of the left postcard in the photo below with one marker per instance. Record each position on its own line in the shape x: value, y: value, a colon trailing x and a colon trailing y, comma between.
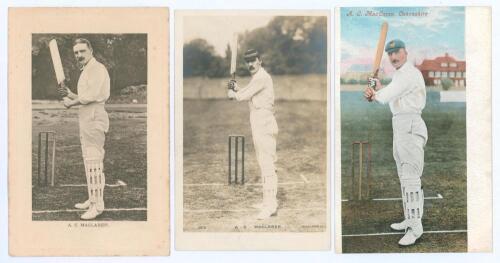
x: 88, y: 132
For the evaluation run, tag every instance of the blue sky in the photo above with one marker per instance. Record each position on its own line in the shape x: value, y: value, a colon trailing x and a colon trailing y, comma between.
x: 440, y: 30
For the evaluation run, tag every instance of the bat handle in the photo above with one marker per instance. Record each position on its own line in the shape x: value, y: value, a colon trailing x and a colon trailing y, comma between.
x: 373, y: 76
x: 233, y: 78
x: 62, y: 84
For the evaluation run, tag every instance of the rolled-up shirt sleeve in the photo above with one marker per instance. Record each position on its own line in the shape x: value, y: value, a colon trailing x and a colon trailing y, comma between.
x: 256, y: 85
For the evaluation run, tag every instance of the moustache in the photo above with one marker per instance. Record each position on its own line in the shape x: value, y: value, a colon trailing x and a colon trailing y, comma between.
x: 251, y: 68
x: 81, y: 59
x: 395, y: 61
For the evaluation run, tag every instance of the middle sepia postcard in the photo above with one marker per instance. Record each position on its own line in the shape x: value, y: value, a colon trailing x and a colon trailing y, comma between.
x: 252, y: 137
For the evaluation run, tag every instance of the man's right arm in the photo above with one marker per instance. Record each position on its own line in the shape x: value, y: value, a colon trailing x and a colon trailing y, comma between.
x: 394, y: 90
x: 251, y: 89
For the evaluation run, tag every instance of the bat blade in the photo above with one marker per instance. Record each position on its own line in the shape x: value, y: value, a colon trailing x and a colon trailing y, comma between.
x: 234, y: 52
x: 380, y: 49
x: 56, y: 61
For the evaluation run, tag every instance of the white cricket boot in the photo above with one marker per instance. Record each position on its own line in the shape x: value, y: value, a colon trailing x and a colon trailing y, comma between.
x: 400, y: 226
x: 84, y: 205
x: 92, y: 213
x: 266, y: 213
x: 412, y: 235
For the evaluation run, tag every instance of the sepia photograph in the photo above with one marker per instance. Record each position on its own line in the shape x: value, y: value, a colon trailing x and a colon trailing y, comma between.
x: 254, y: 92
x: 89, y: 112
x: 91, y: 99
x: 403, y: 107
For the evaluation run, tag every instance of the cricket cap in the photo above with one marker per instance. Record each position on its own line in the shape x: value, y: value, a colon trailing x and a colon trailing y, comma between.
x: 251, y: 54
x: 394, y: 45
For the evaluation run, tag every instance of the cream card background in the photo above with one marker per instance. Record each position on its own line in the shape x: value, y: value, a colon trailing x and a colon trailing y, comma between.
x: 31, y: 238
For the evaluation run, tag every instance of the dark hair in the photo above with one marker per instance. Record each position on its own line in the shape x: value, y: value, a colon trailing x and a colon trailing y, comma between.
x: 82, y: 41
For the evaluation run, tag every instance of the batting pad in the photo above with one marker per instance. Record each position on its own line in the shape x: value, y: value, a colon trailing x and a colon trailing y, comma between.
x: 95, y: 182
x: 413, y: 198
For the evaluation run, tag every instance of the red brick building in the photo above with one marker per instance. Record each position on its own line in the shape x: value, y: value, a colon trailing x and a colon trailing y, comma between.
x: 436, y: 69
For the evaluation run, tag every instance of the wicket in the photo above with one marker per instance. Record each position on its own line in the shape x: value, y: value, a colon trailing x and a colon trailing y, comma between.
x: 43, y: 144
x: 364, y: 157
x: 239, y: 142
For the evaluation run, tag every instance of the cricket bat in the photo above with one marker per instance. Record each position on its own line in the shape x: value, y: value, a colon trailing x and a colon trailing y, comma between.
x: 57, y: 63
x: 234, y: 52
x: 380, y: 49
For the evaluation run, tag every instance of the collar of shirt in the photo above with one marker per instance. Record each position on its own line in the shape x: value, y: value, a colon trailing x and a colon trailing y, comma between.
x: 259, y: 73
x: 404, y: 67
x: 91, y: 61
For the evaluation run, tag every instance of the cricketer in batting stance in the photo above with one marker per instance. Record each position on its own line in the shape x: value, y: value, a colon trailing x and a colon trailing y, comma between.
x: 93, y: 91
x: 406, y: 96
x: 260, y: 96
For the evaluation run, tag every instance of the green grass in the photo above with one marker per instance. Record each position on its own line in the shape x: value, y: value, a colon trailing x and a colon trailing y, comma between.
x: 301, y: 150
x: 444, y: 173
x: 125, y: 160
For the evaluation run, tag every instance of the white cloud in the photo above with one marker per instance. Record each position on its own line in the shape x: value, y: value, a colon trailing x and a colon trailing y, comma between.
x: 355, y: 53
x: 422, y: 32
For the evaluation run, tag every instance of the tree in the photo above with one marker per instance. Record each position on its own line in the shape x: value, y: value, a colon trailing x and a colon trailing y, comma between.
x: 290, y: 45
x: 124, y: 55
x: 446, y: 83
x: 200, y: 60
x: 352, y: 81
